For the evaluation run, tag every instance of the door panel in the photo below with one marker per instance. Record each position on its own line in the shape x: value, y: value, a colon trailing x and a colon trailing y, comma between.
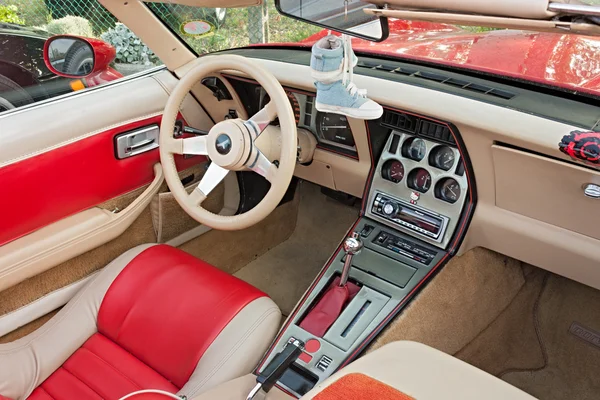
x: 72, y: 178
x: 61, y: 179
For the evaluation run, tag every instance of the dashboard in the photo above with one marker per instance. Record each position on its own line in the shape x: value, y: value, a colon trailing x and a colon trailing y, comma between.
x: 419, y: 185
x: 332, y: 131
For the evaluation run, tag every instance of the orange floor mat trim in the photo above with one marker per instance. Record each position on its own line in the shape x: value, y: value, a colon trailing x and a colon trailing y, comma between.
x: 360, y: 387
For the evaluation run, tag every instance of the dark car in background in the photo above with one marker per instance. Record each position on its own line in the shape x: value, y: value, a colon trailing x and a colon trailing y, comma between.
x: 25, y: 77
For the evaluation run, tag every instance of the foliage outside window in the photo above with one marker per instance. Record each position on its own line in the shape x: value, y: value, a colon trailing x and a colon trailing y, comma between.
x: 241, y: 26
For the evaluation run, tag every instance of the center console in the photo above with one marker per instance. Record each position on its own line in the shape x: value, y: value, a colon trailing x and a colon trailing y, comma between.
x: 417, y: 204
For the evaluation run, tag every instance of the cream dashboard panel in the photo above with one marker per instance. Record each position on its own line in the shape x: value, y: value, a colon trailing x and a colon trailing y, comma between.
x: 555, y: 248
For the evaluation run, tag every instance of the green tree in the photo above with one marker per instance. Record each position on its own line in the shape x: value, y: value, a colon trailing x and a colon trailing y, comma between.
x: 10, y: 14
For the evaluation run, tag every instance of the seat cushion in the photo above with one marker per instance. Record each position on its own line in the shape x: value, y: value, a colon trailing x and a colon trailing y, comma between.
x: 100, y: 369
x: 155, y: 318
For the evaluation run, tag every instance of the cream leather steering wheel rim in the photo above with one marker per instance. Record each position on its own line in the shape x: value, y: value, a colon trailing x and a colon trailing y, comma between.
x: 230, y: 145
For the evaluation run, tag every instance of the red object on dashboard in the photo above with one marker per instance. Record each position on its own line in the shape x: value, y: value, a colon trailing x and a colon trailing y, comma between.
x: 583, y: 146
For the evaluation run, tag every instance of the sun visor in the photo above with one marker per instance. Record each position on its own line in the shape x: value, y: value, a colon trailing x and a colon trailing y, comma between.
x: 565, y: 17
x: 530, y: 9
x: 212, y: 3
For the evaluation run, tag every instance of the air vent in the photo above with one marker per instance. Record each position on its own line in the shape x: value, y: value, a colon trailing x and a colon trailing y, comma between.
x: 435, y: 131
x: 441, y: 78
x: 399, y: 121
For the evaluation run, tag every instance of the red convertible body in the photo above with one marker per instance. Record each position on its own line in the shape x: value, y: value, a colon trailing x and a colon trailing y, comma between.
x: 567, y: 61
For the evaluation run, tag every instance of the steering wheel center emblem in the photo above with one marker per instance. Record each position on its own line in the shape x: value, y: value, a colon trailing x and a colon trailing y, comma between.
x: 223, y: 144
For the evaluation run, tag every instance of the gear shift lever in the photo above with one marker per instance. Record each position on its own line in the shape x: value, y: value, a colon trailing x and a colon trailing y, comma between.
x: 334, y: 299
x: 352, y: 246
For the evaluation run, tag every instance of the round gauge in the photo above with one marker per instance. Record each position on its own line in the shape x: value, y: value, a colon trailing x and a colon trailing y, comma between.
x: 448, y: 190
x: 414, y: 149
x: 419, y: 179
x: 334, y: 128
x: 442, y: 157
x: 393, y: 171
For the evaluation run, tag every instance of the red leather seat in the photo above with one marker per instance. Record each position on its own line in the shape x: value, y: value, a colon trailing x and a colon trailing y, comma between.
x: 155, y: 318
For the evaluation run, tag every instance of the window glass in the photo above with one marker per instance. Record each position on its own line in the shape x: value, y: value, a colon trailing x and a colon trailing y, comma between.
x: 231, y: 28
x: 25, y: 25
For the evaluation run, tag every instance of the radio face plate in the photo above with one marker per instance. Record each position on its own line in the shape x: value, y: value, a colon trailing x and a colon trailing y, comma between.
x: 417, y: 219
x: 426, y: 201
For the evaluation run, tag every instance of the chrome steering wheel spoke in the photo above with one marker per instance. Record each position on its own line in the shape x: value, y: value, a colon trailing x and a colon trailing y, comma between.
x: 259, y: 121
x: 213, y: 176
x: 262, y: 166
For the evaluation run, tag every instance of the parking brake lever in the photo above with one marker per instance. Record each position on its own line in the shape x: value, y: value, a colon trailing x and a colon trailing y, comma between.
x: 275, y: 369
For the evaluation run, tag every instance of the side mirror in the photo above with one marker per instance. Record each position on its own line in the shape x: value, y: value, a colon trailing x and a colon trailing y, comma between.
x: 75, y: 57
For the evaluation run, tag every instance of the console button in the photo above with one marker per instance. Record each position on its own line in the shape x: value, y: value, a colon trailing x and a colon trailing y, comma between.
x: 382, y: 237
x: 324, y: 363
x: 366, y: 230
x: 305, y: 357
x: 312, y: 346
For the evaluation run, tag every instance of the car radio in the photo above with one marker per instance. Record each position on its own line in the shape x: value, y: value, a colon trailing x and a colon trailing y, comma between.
x: 410, y: 216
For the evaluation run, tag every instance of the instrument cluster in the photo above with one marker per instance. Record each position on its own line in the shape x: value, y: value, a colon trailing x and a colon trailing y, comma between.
x: 440, y: 157
x: 331, y: 130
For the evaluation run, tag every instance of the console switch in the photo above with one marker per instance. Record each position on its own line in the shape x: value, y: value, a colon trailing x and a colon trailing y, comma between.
x: 324, y: 363
x: 366, y: 230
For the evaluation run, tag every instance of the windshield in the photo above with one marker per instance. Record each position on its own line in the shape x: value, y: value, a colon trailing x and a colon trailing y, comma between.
x: 565, y: 61
x: 207, y: 30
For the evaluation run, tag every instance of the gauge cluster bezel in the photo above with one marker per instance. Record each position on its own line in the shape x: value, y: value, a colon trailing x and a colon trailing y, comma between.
x: 307, y: 115
x: 430, y: 199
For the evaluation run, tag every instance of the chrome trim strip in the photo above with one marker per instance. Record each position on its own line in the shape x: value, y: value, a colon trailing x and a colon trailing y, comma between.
x: 95, y: 89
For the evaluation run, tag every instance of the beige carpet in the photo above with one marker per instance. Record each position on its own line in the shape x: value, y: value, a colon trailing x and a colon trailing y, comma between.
x: 286, y: 271
x: 460, y: 302
x: 572, y: 365
x: 232, y: 250
x: 529, y: 344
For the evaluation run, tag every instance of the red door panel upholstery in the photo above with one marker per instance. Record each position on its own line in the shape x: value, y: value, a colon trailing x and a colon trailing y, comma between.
x: 53, y: 185
x: 159, y: 313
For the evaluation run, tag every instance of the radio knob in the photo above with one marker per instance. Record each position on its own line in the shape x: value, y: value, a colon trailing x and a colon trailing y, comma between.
x: 390, y: 209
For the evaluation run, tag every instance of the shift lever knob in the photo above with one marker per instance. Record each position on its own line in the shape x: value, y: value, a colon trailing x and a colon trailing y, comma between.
x: 352, y: 246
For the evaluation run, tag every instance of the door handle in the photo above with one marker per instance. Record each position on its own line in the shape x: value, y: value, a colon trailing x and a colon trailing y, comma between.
x: 135, y: 142
x: 141, y: 144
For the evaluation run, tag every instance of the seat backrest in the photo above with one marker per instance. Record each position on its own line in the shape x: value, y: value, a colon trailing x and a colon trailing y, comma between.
x: 144, y: 307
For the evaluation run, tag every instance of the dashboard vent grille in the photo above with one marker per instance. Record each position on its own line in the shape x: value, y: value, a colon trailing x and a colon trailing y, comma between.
x: 399, y: 121
x: 418, y: 126
x: 441, y: 78
x: 436, y: 131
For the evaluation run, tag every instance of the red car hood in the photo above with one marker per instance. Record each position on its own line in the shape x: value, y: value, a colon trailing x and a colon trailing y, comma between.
x: 567, y: 61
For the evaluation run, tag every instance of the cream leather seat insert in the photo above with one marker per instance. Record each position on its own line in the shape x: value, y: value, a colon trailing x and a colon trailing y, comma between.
x: 425, y: 373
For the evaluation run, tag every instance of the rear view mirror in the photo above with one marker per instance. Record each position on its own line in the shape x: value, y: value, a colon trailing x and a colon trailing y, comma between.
x: 346, y: 16
x: 76, y: 57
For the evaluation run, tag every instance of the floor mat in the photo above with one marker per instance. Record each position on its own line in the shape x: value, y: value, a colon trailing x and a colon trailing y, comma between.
x: 286, y: 271
x: 572, y: 361
x: 232, y: 250
x: 530, y: 345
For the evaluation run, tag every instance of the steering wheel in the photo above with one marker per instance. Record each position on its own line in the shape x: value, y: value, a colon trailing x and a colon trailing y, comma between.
x: 230, y: 145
